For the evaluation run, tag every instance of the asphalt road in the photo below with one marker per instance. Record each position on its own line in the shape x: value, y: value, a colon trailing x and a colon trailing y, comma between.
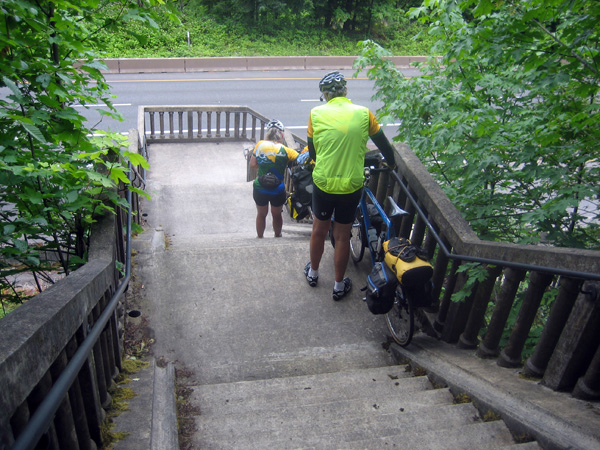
x: 284, y: 95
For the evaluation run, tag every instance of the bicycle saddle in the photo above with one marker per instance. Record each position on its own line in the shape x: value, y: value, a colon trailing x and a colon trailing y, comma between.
x: 395, y: 210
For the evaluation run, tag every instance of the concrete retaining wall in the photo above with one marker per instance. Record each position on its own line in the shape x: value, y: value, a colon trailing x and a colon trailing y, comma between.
x: 220, y: 64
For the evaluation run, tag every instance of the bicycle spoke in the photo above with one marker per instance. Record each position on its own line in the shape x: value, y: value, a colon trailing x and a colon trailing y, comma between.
x: 400, y: 320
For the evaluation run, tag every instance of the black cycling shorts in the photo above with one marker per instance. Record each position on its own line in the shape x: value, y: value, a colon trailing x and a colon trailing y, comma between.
x: 342, y: 206
x: 262, y: 199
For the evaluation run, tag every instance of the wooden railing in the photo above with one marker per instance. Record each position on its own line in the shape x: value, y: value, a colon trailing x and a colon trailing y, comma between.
x: 61, y: 351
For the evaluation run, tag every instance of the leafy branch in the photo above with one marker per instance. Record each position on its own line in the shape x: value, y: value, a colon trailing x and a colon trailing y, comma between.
x: 56, y: 175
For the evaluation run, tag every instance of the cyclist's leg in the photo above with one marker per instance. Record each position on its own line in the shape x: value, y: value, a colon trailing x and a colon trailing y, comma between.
x: 322, y: 211
x: 277, y: 203
x: 317, y: 241
x: 341, y: 235
x: 262, y: 209
x: 345, y: 212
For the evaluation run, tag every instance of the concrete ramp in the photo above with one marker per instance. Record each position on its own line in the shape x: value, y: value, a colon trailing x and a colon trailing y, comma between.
x: 271, y: 362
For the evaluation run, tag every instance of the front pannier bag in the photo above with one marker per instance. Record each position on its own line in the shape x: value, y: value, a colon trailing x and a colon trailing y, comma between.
x: 381, y: 289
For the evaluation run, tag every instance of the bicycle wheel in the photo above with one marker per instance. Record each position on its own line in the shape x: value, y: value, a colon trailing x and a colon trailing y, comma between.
x: 401, y: 319
x: 358, y: 238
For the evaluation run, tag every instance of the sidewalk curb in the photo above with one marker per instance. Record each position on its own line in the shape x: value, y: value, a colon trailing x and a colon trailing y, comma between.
x: 241, y: 63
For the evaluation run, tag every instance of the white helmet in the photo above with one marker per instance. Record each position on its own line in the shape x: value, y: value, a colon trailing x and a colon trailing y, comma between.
x: 275, y: 124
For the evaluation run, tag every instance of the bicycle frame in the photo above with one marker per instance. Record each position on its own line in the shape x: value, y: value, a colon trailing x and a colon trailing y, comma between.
x: 400, y: 319
x: 371, y: 236
x: 390, y: 232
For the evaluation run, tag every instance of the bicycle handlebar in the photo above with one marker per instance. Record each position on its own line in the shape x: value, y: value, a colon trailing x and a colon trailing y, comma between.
x: 372, y: 169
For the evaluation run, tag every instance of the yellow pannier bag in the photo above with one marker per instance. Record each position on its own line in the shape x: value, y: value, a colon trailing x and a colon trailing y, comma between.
x: 408, y: 262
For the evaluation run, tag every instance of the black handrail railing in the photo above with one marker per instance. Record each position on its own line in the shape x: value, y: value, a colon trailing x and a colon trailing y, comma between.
x: 489, y: 261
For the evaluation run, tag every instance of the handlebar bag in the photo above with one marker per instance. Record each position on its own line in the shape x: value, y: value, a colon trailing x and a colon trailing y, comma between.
x: 381, y: 289
x: 408, y: 262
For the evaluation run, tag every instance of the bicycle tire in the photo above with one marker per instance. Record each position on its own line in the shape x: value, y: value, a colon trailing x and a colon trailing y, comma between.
x: 358, y: 238
x: 400, y: 319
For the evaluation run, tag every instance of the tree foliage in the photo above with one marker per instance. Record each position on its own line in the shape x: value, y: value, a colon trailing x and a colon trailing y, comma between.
x: 266, y: 28
x: 348, y: 15
x: 55, y: 176
x: 506, y: 114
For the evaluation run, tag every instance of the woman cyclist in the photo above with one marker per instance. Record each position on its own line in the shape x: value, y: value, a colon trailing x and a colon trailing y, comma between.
x: 270, y: 157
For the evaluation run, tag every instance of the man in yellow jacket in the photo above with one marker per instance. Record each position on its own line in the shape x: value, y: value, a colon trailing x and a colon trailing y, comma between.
x: 338, y: 132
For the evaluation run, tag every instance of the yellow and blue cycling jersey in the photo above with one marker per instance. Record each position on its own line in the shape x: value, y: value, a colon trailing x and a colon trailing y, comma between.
x: 272, y: 157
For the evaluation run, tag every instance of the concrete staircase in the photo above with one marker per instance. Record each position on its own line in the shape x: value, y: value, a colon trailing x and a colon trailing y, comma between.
x: 269, y: 362
x: 355, y: 409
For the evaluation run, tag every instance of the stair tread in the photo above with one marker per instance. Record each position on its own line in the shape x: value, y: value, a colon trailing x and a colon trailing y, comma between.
x: 398, y: 371
x: 361, y: 402
x: 308, y: 389
x: 310, y: 361
x: 489, y: 435
x: 308, y: 425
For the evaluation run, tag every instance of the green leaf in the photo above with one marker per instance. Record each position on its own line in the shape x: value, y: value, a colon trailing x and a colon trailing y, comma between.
x: 139, y: 192
x: 13, y: 87
x: 118, y: 175
x: 484, y: 8
x: 136, y: 159
x: 34, y: 131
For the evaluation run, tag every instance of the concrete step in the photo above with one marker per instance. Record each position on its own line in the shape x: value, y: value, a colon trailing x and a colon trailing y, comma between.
x: 492, y: 435
x: 322, y: 417
x: 305, y: 390
x: 367, y: 408
x: 284, y: 364
x: 402, y: 399
x: 315, y: 427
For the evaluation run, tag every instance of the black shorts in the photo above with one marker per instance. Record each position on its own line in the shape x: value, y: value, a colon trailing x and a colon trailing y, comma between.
x: 344, y: 205
x: 262, y: 199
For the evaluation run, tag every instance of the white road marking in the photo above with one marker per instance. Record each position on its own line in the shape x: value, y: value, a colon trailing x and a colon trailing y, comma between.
x: 101, y: 105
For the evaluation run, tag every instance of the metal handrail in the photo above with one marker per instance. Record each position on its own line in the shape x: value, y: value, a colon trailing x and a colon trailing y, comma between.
x: 496, y: 262
x: 44, y: 414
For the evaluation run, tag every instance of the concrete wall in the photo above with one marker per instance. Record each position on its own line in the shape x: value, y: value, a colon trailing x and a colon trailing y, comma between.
x: 220, y: 64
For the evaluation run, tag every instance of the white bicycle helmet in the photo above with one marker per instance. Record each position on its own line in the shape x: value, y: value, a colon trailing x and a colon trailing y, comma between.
x: 275, y: 124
